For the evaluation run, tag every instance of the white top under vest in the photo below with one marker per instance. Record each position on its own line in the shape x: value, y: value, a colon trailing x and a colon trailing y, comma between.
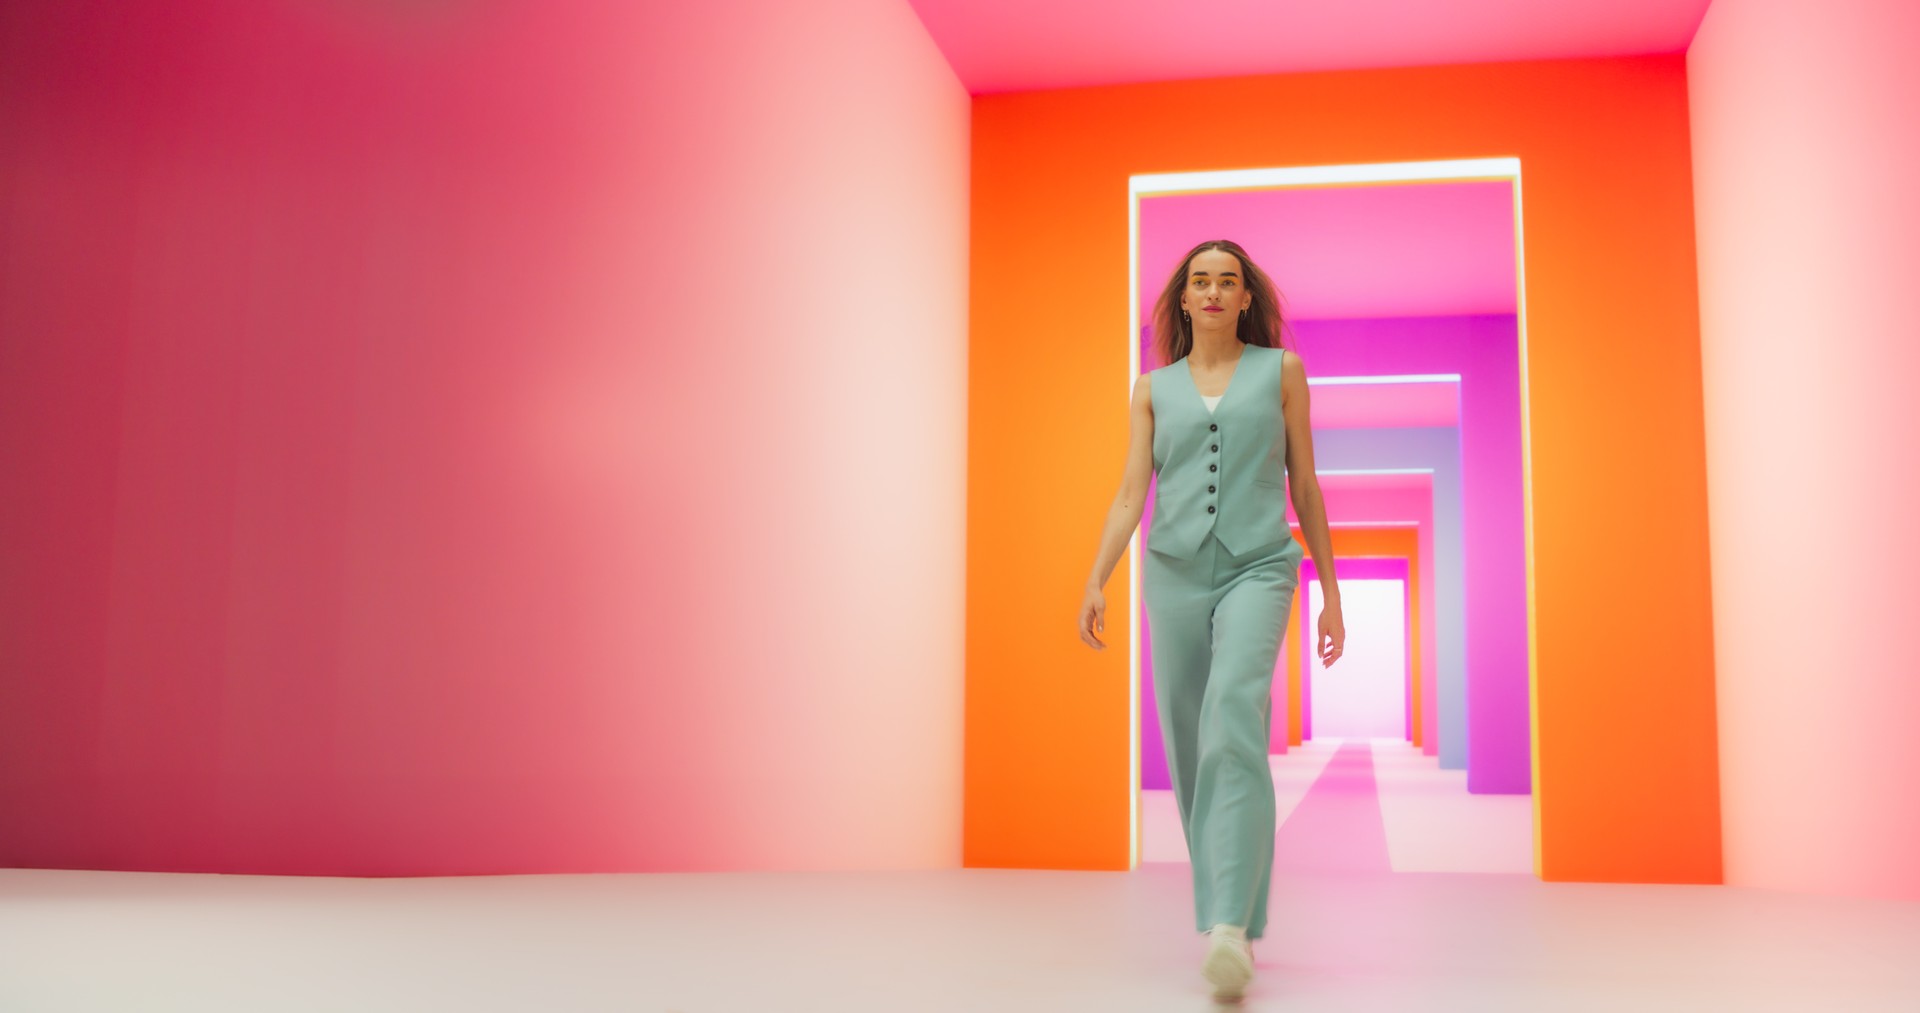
x: 1212, y: 402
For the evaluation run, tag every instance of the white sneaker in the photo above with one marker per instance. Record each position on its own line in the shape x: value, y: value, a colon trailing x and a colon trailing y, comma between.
x: 1229, y: 963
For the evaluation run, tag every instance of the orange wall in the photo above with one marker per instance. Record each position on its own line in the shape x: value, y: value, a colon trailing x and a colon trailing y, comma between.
x: 1625, y: 753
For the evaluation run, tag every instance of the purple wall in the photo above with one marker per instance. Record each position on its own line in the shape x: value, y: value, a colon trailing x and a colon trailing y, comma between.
x: 1484, y: 352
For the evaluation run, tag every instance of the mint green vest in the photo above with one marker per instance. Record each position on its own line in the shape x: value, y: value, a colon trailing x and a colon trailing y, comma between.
x: 1223, y: 472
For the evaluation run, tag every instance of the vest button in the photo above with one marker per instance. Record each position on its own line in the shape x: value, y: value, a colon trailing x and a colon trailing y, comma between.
x: 1209, y: 509
x: 1212, y: 426
x: 1213, y: 467
x: 1216, y: 448
x: 1209, y: 488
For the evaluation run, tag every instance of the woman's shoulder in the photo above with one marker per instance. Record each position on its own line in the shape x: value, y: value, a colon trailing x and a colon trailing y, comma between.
x: 1273, y: 353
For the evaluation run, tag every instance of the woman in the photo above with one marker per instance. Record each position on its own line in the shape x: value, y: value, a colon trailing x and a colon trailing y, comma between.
x: 1222, y: 425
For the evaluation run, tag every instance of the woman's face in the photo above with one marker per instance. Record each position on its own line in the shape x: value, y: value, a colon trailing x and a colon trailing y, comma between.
x: 1214, y: 279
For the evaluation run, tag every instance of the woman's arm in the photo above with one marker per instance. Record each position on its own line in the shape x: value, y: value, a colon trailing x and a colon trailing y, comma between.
x: 1123, y: 514
x: 1303, y: 486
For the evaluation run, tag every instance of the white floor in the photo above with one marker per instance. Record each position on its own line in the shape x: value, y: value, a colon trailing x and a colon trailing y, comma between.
x: 938, y: 941
x: 966, y: 940
x: 1435, y: 825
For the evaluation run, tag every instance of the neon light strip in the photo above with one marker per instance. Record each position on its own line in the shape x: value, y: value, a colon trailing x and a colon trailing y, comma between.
x: 1373, y: 471
x: 1133, y: 545
x: 1404, y: 378
x: 1321, y: 175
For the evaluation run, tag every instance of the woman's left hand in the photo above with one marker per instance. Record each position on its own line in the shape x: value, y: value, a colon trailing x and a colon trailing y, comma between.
x: 1333, y: 634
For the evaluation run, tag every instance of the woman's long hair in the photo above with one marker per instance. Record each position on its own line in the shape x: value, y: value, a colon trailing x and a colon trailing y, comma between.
x: 1260, y: 325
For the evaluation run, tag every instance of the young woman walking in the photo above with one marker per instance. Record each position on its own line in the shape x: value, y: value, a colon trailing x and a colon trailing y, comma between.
x: 1222, y: 425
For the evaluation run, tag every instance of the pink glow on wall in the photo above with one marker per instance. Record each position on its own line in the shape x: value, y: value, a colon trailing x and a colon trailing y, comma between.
x: 1366, y: 695
x: 1377, y: 616
x: 1426, y: 249
x: 1375, y: 405
x: 1006, y: 45
x: 434, y: 444
x: 1370, y: 500
x: 1805, y: 157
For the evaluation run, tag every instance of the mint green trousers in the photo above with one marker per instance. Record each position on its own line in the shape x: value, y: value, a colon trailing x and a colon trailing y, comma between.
x: 1216, y: 623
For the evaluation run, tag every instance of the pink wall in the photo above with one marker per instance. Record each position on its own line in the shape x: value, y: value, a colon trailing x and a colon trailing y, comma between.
x: 1809, y: 243
x: 480, y: 438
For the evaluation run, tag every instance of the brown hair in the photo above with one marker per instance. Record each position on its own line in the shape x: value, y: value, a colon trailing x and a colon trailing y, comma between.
x: 1261, y: 324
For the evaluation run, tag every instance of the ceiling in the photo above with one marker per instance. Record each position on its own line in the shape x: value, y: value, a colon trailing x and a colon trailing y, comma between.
x: 1026, y: 45
x: 1419, y: 249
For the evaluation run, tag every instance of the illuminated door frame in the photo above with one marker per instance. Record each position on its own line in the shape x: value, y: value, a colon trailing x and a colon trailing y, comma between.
x: 1229, y: 180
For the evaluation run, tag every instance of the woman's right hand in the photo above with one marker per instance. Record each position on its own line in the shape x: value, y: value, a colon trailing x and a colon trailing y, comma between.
x: 1093, y: 618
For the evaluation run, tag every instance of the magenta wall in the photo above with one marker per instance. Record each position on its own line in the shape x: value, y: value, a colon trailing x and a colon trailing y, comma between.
x: 414, y: 424
x: 1805, y: 157
x: 1483, y: 351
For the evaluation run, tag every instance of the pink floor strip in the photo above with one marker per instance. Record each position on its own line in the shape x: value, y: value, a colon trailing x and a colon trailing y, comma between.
x: 1337, y: 827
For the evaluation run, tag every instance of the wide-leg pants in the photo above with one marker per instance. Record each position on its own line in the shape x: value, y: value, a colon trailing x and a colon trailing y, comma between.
x: 1216, y: 623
